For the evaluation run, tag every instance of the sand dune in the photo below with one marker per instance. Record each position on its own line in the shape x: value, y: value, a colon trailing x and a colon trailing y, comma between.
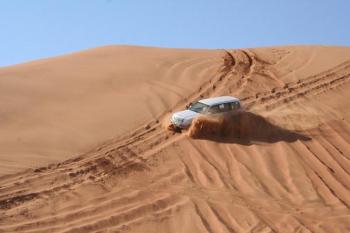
x: 83, y: 147
x: 57, y: 108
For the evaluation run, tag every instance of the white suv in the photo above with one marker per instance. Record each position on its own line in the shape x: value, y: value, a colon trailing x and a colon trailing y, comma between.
x: 215, y: 105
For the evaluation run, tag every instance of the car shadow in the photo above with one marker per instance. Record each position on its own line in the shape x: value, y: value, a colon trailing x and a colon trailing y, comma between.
x: 242, y: 128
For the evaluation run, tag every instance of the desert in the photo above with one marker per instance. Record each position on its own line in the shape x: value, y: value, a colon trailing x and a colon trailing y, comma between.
x: 84, y: 145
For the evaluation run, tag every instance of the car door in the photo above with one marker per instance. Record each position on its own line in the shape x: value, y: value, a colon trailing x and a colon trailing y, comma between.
x: 219, y: 108
x: 214, y: 109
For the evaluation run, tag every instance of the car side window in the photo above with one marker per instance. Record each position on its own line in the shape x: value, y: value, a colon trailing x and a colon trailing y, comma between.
x: 227, y: 107
x: 238, y: 105
x: 214, y: 109
x: 235, y: 105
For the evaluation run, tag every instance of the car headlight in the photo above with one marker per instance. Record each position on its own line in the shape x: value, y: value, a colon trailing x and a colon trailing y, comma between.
x: 176, y: 120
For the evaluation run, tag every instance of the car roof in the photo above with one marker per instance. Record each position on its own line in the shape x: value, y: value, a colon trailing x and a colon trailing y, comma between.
x: 218, y: 100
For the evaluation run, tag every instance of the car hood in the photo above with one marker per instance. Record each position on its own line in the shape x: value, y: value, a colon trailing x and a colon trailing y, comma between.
x: 186, y: 114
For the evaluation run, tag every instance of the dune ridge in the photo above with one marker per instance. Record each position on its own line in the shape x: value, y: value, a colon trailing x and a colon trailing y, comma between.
x: 148, y: 179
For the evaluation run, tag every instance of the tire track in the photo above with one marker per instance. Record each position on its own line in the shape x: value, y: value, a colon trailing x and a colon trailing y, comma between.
x: 134, y: 152
x: 291, y: 92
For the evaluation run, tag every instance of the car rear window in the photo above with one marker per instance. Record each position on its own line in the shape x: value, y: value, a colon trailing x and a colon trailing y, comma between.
x: 235, y: 105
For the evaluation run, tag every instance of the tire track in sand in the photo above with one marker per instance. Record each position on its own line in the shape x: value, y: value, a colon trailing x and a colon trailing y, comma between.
x: 136, y: 151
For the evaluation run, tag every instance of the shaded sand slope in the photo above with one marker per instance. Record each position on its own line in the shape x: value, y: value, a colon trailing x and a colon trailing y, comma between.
x: 55, y: 108
x: 153, y: 180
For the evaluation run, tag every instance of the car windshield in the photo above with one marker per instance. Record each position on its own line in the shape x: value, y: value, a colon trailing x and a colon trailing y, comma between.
x: 198, y: 107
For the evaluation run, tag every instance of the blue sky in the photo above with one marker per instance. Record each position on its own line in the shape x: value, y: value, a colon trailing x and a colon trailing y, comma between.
x: 35, y: 29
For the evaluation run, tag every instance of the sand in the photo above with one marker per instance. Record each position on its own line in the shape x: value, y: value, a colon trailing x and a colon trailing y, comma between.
x: 84, y: 145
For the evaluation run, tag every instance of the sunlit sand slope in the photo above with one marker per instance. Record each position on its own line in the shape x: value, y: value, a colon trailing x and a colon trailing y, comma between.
x: 56, y: 108
x: 289, y: 170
